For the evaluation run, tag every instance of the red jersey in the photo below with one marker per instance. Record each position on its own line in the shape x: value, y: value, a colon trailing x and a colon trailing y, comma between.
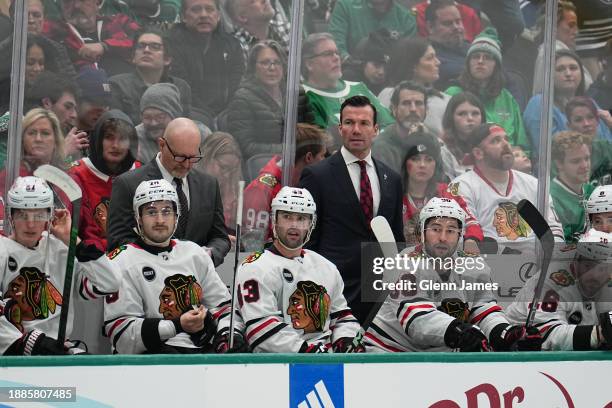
x: 472, y: 227
x: 259, y: 194
x: 471, y: 22
x: 96, y: 187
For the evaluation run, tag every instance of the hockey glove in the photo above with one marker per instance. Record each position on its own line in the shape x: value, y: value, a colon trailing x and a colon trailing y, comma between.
x: 304, y: 110
x: 346, y: 345
x: 605, y: 325
x: 221, y: 343
x: 313, y: 348
x: 203, y: 337
x: 465, y: 337
x: 517, y: 338
x: 36, y: 343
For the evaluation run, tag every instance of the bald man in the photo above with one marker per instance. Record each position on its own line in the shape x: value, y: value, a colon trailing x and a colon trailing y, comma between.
x: 201, y: 219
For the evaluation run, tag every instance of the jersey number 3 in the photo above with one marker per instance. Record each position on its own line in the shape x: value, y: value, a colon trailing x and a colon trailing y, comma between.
x: 251, y: 292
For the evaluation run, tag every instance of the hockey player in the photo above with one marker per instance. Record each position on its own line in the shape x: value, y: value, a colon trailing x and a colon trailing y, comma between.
x: 575, y: 310
x: 447, y: 304
x: 171, y: 298
x: 32, y: 269
x: 599, y: 209
x: 291, y: 298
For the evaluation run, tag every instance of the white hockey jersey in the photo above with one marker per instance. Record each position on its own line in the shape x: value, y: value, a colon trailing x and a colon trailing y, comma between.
x: 412, y: 319
x: 286, y: 302
x: 39, y: 295
x: 162, y: 286
x: 564, y: 318
x: 497, y: 211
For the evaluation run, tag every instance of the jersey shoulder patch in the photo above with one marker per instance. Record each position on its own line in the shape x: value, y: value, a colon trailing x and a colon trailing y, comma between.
x: 115, y: 252
x: 252, y: 258
x: 453, y: 188
x: 562, y: 278
x: 268, y: 180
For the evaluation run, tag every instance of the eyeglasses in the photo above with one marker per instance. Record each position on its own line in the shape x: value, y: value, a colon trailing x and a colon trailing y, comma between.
x: 27, y: 216
x: 267, y: 64
x: 152, y: 46
x: 165, y: 212
x: 181, y: 159
x: 326, y: 54
x: 452, y: 232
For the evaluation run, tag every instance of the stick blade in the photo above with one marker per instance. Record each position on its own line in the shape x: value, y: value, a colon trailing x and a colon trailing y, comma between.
x: 383, y: 233
x: 532, y: 216
x: 62, y: 180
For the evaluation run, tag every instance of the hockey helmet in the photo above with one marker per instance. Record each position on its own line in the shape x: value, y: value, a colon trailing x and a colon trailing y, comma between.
x: 600, y: 200
x: 595, y: 245
x: 441, y: 207
x: 155, y: 190
x: 29, y: 192
x: 296, y: 200
x: 594, y: 271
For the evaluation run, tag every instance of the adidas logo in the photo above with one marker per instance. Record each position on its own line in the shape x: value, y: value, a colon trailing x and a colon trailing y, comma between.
x: 317, y: 398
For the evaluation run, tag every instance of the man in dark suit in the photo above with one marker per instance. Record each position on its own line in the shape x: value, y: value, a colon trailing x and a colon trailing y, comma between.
x: 350, y: 188
x: 203, y: 221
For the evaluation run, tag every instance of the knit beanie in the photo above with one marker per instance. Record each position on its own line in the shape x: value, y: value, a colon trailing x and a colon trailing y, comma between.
x: 163, y: 96
x: 423, y: 143
x: 487, y: 41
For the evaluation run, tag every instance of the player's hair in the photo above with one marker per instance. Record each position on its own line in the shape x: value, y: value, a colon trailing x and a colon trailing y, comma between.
x: 577, y: 102
x: 308, y: 48
x: 358, y: 101
x: 410, y: 86
x: 316, y: 302
x: 570, y: 54
x: 566, y: 140
x: 431, y: 12
x: 58, y: 136
x: 309, y: 138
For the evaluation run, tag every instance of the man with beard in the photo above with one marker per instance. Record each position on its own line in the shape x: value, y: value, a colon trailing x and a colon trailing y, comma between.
x: 445, y: 304
x: 574, y: 313
x: 409, y: 107
x: 493, y: 183
x: 92, y: 39
x: 32, y: 268
x: 571, y: 154
x: 291, y: 298
x: 171, y: 298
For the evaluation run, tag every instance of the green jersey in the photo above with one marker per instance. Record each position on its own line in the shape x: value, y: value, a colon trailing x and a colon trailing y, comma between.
x: 569, y: 207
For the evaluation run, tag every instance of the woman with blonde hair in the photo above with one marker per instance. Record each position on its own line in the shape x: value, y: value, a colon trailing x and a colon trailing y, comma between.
x: 221, y: 158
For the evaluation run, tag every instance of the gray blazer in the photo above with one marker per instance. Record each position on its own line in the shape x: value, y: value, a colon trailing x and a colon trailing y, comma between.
x: 206, y: 226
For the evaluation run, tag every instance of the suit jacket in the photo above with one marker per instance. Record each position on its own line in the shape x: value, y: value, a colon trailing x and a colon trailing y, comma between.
x: 341, y: 225
x: 206, y: 224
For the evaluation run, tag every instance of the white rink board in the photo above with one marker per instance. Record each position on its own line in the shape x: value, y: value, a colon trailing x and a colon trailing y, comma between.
x: 364, y: 381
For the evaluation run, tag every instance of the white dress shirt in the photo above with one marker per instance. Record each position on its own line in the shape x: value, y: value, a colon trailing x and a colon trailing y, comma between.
x: 355, y: 172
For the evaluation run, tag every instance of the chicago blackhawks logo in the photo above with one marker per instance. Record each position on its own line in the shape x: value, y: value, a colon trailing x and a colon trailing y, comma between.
x: 508, y: 223
x: 180, y: 292
x: 252, y: 258
x: 562, y: 278
x: 113, y: 254
x: 268, y: 180
x: 100, y: 214
x: 35, y: 295
x: 309, y: 307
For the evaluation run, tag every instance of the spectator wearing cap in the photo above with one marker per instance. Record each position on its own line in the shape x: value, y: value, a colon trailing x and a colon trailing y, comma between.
x: 571, y: 156
x: 414, y: 59
x: 92, y: 39
x: 95, y: 97
x: 353, y: 20
x: 492, y: 191
x: 447, y: 36
x: 159, y: 105
x: 370, y: 61
x: 423, y: 179
x: 151, y: 61
x: 256, y: 21
x: 483, y: 76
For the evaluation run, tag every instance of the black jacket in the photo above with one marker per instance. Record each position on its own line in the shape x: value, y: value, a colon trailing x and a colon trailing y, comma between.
x: 96, y: 138
x: 213, y: 73
x: 255, y: 119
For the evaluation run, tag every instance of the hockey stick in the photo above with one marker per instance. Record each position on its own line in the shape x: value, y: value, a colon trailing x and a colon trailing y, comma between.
x: 62, y: 180
x: 236, y: 259
x: 384, y: 235
x: 541, y: 228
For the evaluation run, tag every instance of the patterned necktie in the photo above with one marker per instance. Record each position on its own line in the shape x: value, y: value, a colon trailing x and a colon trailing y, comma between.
x: 365, y: 192
x: 182, y: 222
